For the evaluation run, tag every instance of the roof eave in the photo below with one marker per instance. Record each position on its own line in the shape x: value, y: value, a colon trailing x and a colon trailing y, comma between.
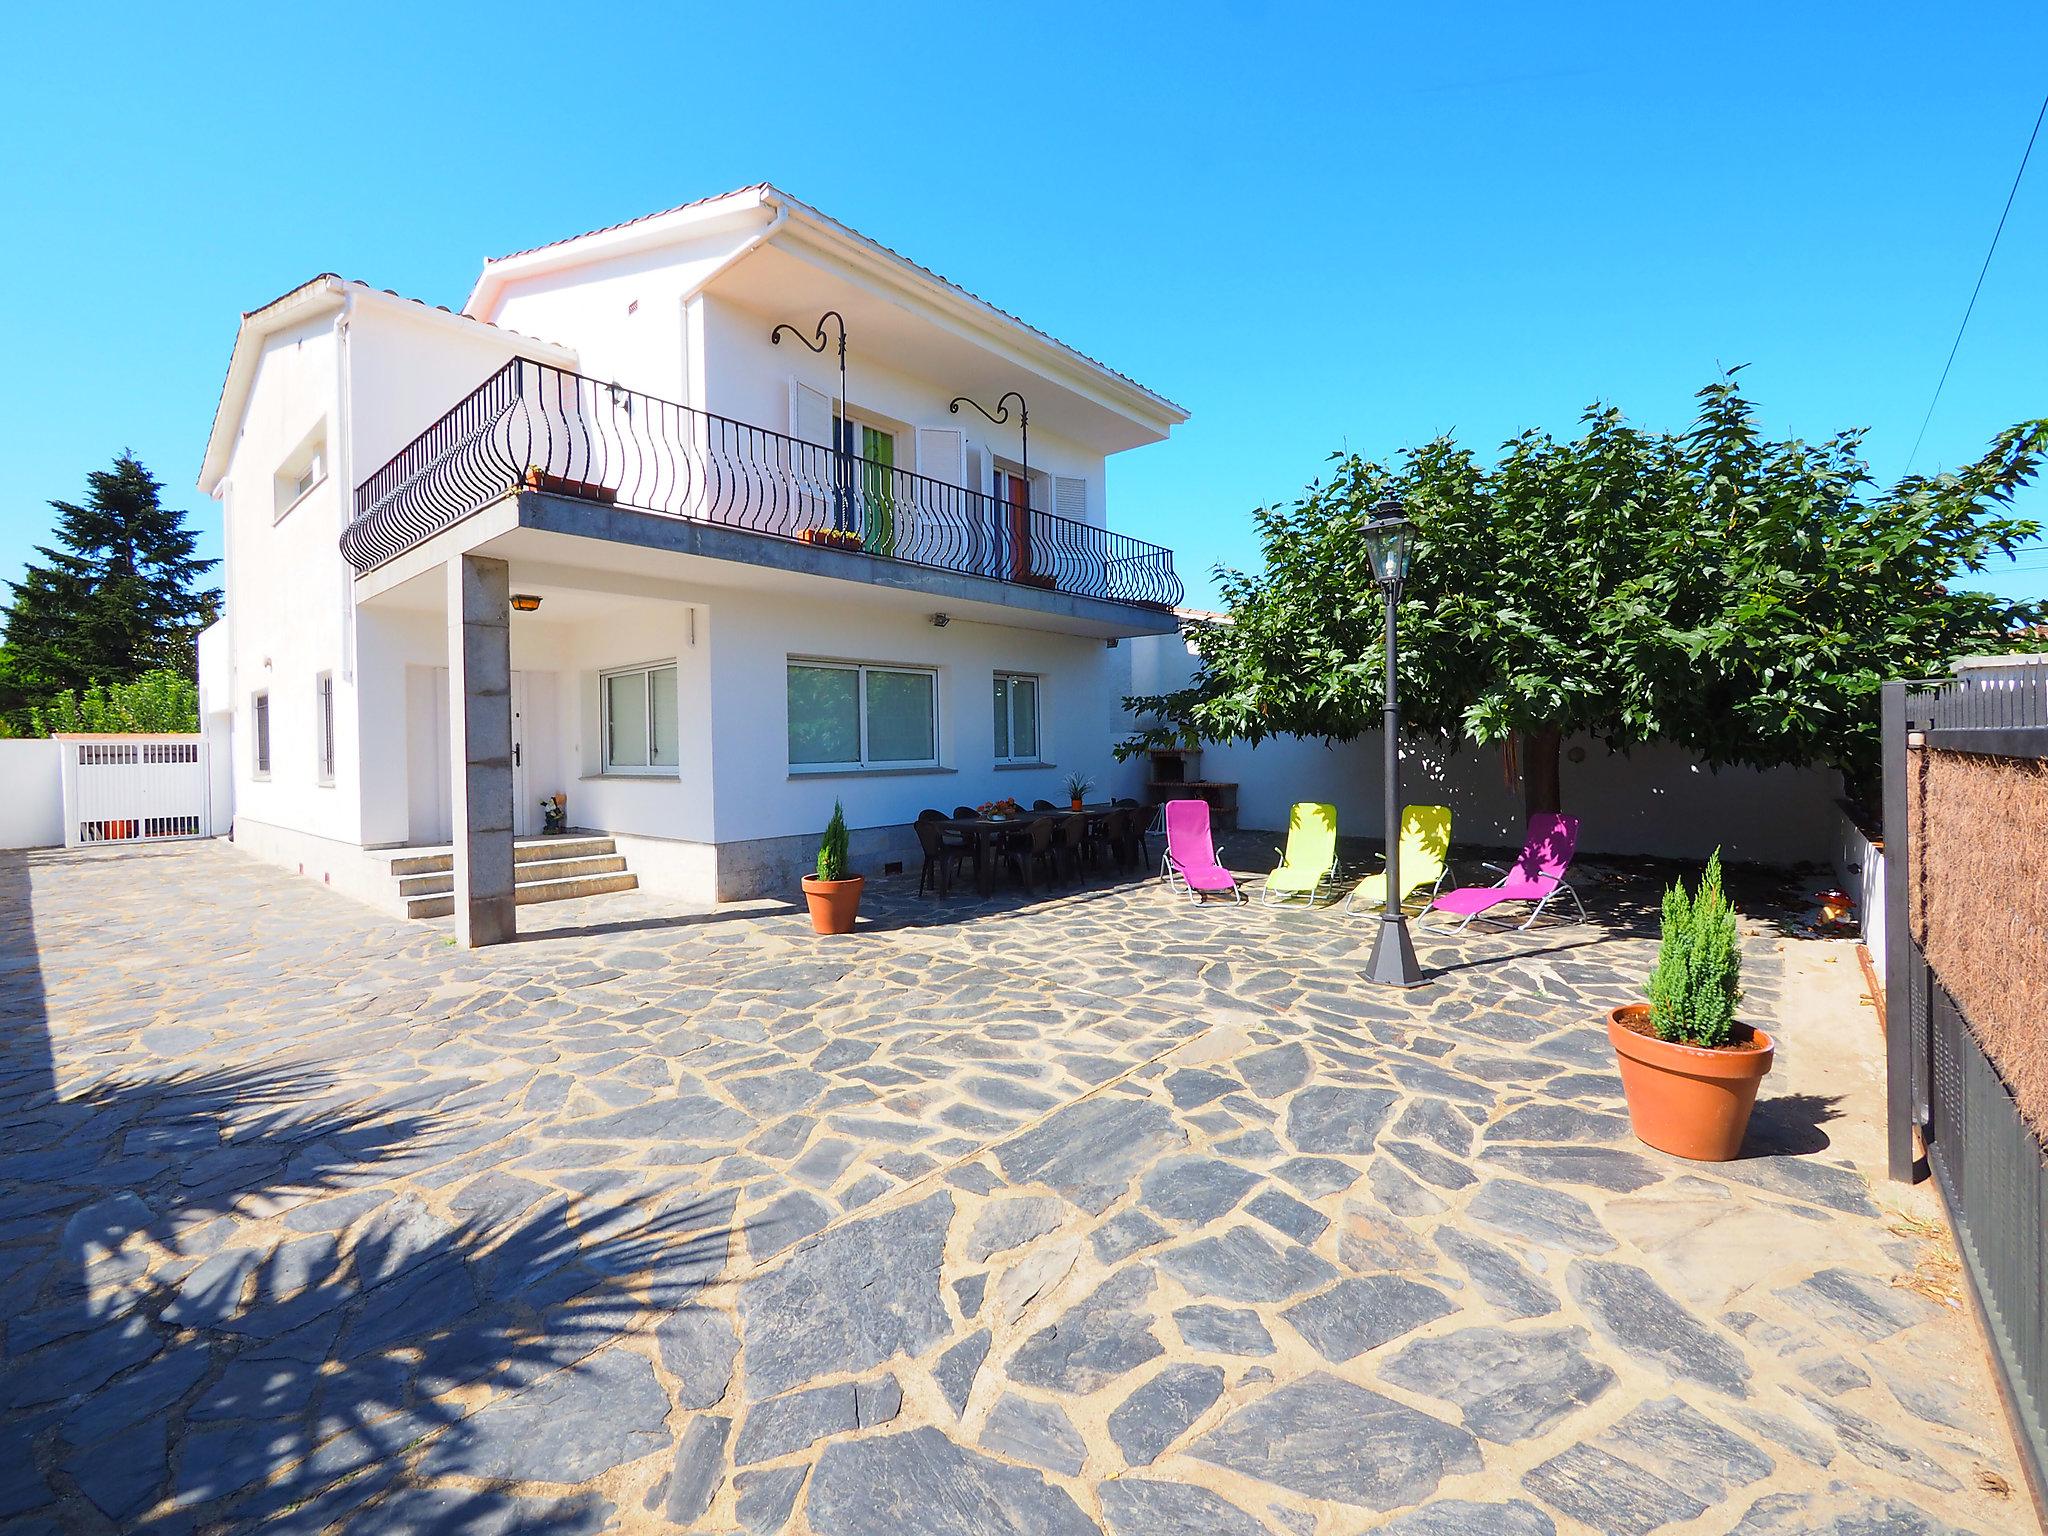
x: 1045, y: 354
x: 318, y: 296
x: 1043, y: 348
x: 747, y: 205
x: 315, y: 296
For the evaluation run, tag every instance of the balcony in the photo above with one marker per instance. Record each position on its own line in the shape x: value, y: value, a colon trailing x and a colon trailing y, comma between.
x: 532, y: 427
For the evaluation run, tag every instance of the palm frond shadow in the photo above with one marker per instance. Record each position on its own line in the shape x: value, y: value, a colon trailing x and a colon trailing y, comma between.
x: 239, y: 1383
x: 303, y: 1379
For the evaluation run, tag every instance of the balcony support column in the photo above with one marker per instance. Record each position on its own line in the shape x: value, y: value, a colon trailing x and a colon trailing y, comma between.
x: 480, y: 747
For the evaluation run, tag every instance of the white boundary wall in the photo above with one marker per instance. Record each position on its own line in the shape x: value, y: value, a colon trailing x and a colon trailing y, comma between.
x: 31, y: 794
x: 1859, y: 870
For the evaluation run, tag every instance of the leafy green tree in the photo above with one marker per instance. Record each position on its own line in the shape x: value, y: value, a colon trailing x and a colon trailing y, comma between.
x: 1739, y: 595
x: 115, y: 597
x: 162, y: 700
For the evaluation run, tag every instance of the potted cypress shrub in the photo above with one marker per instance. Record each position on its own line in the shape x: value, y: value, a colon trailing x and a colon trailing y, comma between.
x: 832, y: 894
x: 1690, y: 1071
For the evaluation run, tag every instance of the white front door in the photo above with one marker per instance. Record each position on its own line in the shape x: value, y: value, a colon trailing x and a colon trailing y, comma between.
x: 429, y: 767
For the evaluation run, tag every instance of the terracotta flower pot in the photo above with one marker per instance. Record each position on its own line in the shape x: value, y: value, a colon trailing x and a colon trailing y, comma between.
x: 1686, y: 1099
x: 834, y: 903
x: 1077, y: 802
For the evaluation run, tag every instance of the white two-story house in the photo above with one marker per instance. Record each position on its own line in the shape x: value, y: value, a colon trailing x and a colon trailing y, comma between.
x: 703, y: 521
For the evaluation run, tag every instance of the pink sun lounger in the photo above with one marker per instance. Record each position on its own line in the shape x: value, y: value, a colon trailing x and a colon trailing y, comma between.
x: 1190, y: 862
x: 1538, y: 874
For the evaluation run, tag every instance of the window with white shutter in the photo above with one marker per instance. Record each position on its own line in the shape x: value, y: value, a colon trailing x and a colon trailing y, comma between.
x: 942, y: 454
x: 810, y: 414
x: 1070, y: 497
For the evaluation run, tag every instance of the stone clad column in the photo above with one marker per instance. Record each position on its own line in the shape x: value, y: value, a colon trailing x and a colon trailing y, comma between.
x: 480, y: 747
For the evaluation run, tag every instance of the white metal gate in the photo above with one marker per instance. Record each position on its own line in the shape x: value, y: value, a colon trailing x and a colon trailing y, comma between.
x: 134, y: 789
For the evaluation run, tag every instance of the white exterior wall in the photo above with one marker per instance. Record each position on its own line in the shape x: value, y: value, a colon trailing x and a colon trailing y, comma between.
x: 637, y: 634
x: 31, y: 794
x: 757, y: 794
x: 377, y: 373
x: 623, y: 316
x: 407, y: 367
x: 285, y: 580
x: 733, y: 784
x: 1657, y: 800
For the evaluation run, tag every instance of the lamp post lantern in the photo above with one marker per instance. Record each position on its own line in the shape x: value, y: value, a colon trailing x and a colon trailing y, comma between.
x: 1393, y: 962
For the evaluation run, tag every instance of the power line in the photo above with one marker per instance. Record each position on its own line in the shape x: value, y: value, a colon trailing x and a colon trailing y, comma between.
x: 1972, y: 305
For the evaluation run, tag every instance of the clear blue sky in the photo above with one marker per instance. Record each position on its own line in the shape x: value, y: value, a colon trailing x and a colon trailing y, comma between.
x: 1311, y: 226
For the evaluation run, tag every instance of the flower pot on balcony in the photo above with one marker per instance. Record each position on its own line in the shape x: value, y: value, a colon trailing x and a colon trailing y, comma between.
x: 1076, y: 802
x: 538, y: 479
x: 1688, y: 1100
x: 831, y: 538
x: 1038, y: 579
x: 834, y: 904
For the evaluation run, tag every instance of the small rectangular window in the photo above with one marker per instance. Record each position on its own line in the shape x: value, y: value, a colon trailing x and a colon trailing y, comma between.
x: 323, y: 725
x: 845, y: 715
x: 640, y: 720
x: 1016, y: 718
x: 259, y: 730
x: 304, y: 468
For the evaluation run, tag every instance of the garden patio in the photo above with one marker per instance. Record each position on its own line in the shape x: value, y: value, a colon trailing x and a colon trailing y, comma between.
x: 1004, y: 1216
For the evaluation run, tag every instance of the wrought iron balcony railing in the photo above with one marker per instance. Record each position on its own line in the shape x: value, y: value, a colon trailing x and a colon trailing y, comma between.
x: 532, y: 426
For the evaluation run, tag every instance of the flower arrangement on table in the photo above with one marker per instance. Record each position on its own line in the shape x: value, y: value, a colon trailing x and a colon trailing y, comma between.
x: 554, y: 813
x: 999, y: 810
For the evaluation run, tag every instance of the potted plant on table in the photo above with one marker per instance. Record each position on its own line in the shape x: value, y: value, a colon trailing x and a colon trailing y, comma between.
x: 832, y: 894
x: 1689, y: 1070
x: 1078, y: 785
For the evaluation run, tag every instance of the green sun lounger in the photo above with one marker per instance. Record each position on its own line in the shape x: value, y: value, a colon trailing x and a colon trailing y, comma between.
x: 1310, y: 862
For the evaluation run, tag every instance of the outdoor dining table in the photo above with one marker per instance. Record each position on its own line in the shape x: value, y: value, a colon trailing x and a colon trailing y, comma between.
x: 984, y: 832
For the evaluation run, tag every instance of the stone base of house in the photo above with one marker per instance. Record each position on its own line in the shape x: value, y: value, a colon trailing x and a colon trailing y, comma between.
x: 708, y: 873
x: 774, y: 866
x: 346, y: 867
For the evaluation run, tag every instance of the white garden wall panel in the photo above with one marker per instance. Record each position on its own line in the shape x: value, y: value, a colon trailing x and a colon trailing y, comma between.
x: 31, y: 794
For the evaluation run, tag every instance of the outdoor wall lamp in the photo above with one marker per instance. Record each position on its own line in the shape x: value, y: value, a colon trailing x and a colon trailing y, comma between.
x: 1000, y: 416
x: 941, y: 620
x: 525, y: 602
x: 1385, y: 531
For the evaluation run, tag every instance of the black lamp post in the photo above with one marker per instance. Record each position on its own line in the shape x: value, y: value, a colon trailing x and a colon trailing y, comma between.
x: 1386, y: 548
x: 844, y: 515
x: 1001, y: 415
x: 775, y: 336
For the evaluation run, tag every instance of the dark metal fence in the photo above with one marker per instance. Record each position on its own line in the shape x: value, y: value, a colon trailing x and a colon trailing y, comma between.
x: 1991, y: 1169
x: 536, y: 427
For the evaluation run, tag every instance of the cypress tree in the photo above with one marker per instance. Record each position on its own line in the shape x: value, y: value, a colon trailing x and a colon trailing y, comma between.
x: 116, y: 596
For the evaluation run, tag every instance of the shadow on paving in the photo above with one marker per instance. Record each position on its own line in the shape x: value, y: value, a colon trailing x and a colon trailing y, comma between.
x: 174, y: 1360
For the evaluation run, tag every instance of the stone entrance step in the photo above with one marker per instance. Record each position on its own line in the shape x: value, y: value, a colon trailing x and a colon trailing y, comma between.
x: 543, y: 869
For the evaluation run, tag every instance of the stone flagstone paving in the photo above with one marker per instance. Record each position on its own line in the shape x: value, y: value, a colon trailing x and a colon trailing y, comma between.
x: 1092, y: 1214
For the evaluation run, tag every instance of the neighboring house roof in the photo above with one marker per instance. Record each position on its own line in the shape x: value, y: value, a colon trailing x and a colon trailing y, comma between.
x: 314, y: 297
x: 686, y: 220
